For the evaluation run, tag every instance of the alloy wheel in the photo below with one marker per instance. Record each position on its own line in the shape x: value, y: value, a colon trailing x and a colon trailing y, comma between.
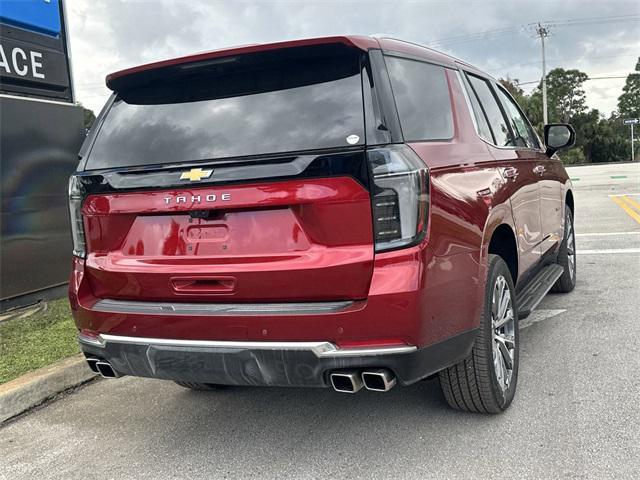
x: 503, y: 327
x: 571, y: 250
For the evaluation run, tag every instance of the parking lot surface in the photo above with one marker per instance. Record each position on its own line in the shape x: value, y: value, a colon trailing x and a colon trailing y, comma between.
x: 575, y: 415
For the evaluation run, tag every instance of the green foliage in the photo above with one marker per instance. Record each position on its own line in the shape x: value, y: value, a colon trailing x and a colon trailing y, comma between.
x: 532, y: 107
x: 565, y: 95
x: 514, y: 89
x: 598, y: 138
x: 629, y: 101
x: 573, y: 156
x: 89, y: 117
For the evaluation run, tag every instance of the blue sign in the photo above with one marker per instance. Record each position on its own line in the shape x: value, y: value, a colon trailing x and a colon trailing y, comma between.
x: 41, y: 16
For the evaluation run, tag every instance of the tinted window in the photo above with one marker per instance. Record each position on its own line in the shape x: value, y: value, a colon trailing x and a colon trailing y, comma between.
x: 481, y: 120
x: 235, y: 110
x: 520, y: 126
x: 422, y: 99
x: 492, y: 110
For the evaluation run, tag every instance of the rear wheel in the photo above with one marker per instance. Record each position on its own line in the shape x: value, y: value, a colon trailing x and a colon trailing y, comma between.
x: 201, y: 386
x: 485, y: 381
x: 567, y: 257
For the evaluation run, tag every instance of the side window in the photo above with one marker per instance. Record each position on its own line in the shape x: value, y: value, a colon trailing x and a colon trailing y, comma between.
x: 481, y: 120
x: 422, y: 99
x: 520, y: 126
x: 492, y: 110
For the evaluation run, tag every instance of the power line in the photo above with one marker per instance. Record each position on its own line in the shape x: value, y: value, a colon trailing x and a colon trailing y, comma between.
x: 471, y: 37
x: 590, y: 78
x: 561, y: 60
x: 595, y: 20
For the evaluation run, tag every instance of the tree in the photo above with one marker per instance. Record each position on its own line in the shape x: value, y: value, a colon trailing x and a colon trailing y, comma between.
x: 527, y: 103
x: 629, y: 101
x: 565, y: 95
x: 512, y: 86
x: 89, y: 117
x: 598, y: 138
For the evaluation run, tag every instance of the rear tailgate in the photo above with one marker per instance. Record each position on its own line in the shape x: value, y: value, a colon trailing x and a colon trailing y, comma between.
x: 235, y: 179
x: 286, y: 241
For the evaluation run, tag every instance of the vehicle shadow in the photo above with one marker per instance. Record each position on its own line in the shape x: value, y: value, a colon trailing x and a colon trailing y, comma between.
x: 259, y: 420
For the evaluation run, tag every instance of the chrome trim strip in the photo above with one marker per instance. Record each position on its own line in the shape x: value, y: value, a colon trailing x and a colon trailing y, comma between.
x: 319, y: 349
x: 32, y: 99
x: 356, y: 352
x: 169, y: 308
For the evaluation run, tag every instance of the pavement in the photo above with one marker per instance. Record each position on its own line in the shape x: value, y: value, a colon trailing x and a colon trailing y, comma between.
x: 575, y: 415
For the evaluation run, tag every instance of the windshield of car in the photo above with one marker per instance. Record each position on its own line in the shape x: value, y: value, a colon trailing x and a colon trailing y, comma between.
x: 245, y: 106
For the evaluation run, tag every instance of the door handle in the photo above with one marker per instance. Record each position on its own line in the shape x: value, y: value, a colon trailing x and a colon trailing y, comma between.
x: 539, y: 169
x: 510, y: 172
x: 203, y: 285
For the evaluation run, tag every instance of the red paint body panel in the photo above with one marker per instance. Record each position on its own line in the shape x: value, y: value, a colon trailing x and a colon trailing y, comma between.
x: 281, y: 241
x: 406, y: 301
x: 362, y: 43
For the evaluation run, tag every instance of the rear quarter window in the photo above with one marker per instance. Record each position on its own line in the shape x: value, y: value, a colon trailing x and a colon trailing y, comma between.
x: 493, y: 112
x: 422, y: 99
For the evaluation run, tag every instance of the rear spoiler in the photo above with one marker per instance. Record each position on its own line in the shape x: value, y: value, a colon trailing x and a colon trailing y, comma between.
x: 118, y: 80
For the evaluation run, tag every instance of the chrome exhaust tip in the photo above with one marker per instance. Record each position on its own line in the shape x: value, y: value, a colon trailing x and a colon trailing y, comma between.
x: 378, y: 380
x: 346, y: 381
x: 92, y: 364
x: 106, y: 370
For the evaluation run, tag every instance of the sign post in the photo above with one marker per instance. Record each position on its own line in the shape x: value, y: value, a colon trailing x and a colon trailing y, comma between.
x: 632, y: 122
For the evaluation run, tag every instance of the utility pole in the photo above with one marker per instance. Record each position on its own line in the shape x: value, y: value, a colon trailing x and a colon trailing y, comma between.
x: 631, y: 122
x: 543, y: 32
x: 633, y: 155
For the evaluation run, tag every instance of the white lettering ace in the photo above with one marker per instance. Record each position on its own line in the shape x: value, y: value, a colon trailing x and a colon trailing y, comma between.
x: 20, y: 63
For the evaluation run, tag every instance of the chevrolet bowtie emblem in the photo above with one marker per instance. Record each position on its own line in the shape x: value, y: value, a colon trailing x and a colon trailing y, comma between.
x: 195, y: 174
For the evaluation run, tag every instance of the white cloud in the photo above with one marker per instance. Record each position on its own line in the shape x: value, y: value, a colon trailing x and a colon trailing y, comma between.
x: 108, y: 35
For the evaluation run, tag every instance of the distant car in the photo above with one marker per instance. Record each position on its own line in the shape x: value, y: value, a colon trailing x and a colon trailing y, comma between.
x: 341, y: 211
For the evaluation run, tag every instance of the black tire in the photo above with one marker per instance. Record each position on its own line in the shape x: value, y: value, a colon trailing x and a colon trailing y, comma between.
x: 473, y: 385
x: 567, y: 281
x: 201, y: 386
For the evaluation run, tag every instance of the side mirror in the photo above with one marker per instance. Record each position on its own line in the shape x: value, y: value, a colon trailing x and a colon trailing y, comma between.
x: 558, y: 136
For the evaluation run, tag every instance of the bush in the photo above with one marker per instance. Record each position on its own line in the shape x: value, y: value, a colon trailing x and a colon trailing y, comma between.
x: 573, y: 156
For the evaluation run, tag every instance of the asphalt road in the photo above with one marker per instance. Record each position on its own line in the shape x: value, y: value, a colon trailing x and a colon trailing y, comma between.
x: 576, y: 413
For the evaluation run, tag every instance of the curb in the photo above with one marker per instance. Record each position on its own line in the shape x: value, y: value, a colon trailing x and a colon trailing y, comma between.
x: 33, y: 388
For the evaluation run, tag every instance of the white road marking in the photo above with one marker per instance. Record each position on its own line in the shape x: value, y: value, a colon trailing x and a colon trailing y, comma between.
x: 607, y: 251
x: 538, y: 316
x: 606, y: 234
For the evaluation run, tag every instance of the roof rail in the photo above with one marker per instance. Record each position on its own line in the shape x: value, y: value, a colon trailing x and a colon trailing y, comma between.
x: 456, y: 59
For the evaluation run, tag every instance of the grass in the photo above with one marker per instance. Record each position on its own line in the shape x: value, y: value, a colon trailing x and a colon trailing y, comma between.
x: 37, y: 340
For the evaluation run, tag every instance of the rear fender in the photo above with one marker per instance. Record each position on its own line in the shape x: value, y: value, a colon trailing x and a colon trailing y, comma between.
x: 499, y: 215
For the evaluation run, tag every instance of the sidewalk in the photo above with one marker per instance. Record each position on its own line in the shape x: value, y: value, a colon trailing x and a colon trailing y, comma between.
x: 34, y: 388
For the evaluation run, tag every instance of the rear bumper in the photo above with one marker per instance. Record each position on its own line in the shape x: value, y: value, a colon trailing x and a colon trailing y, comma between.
x: 414, y: 299
x: 301, y: 364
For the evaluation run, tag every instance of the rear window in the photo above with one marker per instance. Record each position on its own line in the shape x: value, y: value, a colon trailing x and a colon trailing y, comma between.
x: 422, y: 99
x: 245, y: 105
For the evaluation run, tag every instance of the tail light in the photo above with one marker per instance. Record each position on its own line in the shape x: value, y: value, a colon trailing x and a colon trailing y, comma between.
x: 400, y: 197
x: 77, y: 226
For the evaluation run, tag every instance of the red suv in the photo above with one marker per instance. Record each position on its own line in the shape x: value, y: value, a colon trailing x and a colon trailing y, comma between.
x: 344, y: 211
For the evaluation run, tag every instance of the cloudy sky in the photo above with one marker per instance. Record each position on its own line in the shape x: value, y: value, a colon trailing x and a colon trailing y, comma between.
x: 600, y: 37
